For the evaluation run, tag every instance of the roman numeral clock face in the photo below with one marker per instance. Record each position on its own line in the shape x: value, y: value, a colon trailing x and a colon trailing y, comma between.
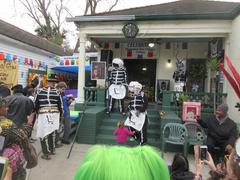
x: 130, y: 30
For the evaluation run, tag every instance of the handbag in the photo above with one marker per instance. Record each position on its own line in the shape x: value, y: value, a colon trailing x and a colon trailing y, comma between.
x: 30, y: 154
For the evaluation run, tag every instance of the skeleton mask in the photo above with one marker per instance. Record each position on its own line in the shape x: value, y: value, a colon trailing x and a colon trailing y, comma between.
x: 117, y: 63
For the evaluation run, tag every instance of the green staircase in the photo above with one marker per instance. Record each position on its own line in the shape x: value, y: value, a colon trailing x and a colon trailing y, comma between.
x: 109, y: 123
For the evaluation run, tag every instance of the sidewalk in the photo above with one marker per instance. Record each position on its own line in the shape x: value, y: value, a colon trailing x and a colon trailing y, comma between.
x: 61, y: 168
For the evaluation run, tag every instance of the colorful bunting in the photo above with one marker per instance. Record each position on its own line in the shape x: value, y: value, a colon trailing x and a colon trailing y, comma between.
x: 8, y: 57
x: 2, y: 56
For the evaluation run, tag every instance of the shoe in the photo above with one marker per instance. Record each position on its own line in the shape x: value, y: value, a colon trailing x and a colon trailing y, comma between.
x: 124, y: 114
x: 46, y: 157
x: 53, y: 152
x: 132, y: 139
x: 58, y: 145
x: 66, y: 142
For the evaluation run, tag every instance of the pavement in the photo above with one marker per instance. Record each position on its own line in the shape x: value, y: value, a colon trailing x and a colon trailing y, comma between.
x: 61, y: 168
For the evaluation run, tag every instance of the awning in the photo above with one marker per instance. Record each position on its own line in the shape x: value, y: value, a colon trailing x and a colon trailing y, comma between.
x: 70, y: 69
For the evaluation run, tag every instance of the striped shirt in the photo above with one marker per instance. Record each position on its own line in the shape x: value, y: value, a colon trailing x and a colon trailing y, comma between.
x: 48, y: 98
x: 118, y: 76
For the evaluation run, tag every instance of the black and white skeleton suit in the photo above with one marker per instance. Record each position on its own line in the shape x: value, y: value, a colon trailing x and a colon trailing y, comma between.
x: 137, y: 106
x: 118, y: 76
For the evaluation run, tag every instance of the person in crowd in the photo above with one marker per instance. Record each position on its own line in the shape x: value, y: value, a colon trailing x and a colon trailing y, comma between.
x: 119, y: 162
x: 221, y: 132
x: 16, y: 140
x: 138, y: 120
x: 122, y: 132
x: 179, y: 169
x: 4, y: 90
x: 31, y: 94
x: 48, y: 105
x: 19, y: 106
x: 117, y: 90
x: 67, y: 100
x: 229, y: 169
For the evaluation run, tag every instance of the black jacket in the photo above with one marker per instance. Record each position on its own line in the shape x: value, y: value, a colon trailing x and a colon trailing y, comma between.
x: 186, y: 175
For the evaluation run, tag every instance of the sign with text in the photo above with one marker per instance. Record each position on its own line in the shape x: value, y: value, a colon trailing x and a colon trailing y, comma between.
x: 9, y: 72
x: 139, y: 50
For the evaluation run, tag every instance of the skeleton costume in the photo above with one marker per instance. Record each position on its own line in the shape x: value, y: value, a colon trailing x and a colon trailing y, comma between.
x: 117, y: 90
x: 48, y: 104
x: 138, y: 120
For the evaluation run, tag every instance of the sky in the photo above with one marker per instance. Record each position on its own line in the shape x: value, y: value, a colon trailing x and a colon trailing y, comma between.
x: 12, y: 12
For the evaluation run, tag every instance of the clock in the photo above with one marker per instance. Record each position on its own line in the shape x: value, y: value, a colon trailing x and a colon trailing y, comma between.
x: 130, y: 30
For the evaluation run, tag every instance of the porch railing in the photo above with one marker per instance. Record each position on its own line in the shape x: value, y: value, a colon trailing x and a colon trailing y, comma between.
x: 206, y: 99
x: 96, y: 95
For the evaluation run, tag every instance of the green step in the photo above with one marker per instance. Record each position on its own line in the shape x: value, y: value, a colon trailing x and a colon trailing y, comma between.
x: 111, y: 140
x: 108, y: 130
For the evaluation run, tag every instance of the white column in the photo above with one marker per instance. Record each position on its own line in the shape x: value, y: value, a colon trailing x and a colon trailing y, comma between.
x: 81, y: 69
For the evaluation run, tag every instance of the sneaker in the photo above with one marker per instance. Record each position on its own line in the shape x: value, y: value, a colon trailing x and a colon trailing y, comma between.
x: 58, y: 145
x: 53, y: 152
x: 132, y: 139
x: 66, y: 142
x: 124, y: 114
x: 46, y: 157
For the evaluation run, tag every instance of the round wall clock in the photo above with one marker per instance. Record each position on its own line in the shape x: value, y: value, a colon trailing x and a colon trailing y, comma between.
x: 130, y: 30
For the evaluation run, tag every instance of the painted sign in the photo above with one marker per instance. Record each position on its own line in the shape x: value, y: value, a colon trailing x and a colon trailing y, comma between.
x: 9, y: 72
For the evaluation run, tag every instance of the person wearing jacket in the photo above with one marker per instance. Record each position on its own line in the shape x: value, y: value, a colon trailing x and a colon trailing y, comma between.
x: 221, y: 133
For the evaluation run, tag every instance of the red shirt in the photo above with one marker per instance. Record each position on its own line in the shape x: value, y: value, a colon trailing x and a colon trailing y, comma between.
x: 121, y: 134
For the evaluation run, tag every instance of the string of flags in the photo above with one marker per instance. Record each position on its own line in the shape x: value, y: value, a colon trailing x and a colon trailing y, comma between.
x: 22, y: 60
x: 69, y: 60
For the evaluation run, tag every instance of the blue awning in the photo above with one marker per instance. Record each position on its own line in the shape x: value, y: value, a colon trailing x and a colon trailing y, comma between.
x: 70, y: 69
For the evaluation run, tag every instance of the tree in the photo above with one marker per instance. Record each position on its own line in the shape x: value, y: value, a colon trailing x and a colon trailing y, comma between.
x: 48, y: 14
x: 91, y: 6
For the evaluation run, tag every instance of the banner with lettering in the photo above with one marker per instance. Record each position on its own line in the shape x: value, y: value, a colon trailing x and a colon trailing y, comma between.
x: 9, y: 72
x: 139, y: 50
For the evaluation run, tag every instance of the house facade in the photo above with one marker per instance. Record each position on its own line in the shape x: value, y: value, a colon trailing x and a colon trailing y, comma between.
x: 26, y: 52
x: 152, y: 39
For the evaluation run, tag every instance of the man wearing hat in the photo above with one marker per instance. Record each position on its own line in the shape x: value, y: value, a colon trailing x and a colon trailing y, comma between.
x: 48, y: 105
x: 221, y: 133
x: 19, y: 106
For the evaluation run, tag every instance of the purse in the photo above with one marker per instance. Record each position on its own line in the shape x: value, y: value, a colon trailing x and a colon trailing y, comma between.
x: 31, y: 156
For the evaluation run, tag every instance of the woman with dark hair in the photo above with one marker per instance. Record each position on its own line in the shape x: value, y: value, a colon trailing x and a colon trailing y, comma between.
x: 179, y: 169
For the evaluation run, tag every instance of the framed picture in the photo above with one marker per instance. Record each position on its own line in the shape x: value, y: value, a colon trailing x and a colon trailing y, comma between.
x: 98, y: 71
x: 162, y: 85
x: 191, y: 110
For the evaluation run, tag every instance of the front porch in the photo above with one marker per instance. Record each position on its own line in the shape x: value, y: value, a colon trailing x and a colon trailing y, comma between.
x: 97, y: 128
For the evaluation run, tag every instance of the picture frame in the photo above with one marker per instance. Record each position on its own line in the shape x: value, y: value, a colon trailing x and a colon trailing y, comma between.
x: 98, y: 70
x: 191, y: 110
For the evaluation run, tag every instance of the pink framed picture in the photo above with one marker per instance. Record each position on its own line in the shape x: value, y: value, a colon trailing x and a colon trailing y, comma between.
x: 191, y: 110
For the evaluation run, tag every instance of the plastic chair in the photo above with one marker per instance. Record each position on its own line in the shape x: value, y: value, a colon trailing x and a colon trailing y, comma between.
x: 175, y: 133
x: 196, y: 134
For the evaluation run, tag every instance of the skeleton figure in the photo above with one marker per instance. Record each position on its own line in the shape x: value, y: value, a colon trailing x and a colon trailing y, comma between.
x: 117, y: 90
x: 180, y: 73
x: 137, y: 107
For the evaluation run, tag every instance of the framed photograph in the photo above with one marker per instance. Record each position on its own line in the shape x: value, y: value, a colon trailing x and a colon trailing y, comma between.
x: 191, y: 110
x: 98, y: 71
x: 162, y: 85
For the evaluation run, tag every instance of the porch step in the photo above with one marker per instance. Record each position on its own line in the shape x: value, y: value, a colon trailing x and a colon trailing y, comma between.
x: 111, y: 140
x: 108, y: 130
x: 109, y: 124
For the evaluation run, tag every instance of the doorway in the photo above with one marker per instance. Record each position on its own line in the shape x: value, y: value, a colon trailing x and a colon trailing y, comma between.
x: 143, y: 71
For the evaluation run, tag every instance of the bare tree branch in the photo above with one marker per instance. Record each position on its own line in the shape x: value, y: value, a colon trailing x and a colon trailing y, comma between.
x: 110, y: 9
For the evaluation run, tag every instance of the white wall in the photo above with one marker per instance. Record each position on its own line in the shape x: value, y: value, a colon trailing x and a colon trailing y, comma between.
x: 234, y: 54
x: 194, y: 51
x: 8, y: 45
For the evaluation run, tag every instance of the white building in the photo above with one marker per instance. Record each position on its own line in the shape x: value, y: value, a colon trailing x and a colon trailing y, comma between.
x: 185, y: 29
x: 40, y: 53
